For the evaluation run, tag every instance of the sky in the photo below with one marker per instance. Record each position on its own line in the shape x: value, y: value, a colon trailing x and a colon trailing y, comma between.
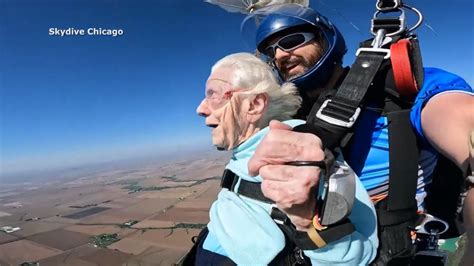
x: 89, y: 98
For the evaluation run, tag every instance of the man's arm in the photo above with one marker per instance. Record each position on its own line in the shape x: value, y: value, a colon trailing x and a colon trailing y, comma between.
x: 447, y: 120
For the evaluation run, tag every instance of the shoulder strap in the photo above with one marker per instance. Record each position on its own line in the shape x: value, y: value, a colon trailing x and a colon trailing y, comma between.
x: 331, y: 120
x: 400, y: 204
x: 403, y: 161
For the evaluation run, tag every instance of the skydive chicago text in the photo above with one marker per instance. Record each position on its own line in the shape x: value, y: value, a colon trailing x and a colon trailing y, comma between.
x: 82, y: 32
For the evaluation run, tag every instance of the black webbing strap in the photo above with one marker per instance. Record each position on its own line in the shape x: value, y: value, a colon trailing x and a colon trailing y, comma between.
x: 388, y: 24
x: 330, y: 135
x: 352, y: 90
x: 301, y: 239
x: 331, y: 121
x: 229, y: 179
x: 246, y: 188
x: 403, y: 161
x: 386, y: 218
x: 416, y: 62
x: 328, y: 235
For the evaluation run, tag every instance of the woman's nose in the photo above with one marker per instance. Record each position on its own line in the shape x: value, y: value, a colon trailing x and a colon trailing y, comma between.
x: 203, y: 109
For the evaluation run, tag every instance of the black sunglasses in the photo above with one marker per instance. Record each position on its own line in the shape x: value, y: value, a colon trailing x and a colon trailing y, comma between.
x: 288, y: 43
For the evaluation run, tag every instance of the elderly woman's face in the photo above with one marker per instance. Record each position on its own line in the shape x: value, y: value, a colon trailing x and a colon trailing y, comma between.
x: 224, y: 114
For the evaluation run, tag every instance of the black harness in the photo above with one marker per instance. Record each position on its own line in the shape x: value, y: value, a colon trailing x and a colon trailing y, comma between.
x: 252, y: 190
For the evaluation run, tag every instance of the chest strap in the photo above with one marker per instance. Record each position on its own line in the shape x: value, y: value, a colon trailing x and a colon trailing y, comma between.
x: 316, y: 237
x: 246, y: 188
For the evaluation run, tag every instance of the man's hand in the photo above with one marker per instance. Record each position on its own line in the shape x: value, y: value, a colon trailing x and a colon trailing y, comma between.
x: 291, y: 187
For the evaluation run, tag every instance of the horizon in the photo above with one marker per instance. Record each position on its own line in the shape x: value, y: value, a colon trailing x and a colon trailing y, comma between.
x: 87, y: 98
x: 65, y: 171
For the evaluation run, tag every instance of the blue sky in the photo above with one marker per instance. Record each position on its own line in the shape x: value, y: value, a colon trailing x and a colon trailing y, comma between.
x: 78, y: 99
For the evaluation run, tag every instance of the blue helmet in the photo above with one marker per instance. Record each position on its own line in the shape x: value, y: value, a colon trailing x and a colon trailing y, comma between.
x: 285, y: 18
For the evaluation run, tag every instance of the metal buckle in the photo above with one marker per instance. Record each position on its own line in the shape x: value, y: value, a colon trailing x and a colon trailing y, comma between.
x: 276, y: 220
x: 229, y: 180
x: 396, y: 4
x: 401, y: 18
x: 431, y: 225
x: 374, y: 50
x: 334, y: 121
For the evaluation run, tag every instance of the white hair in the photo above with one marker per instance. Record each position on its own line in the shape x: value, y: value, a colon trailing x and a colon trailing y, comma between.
x: 250, y: 72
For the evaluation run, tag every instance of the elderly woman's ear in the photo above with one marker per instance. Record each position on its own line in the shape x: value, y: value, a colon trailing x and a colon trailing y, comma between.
x: 257, y: 107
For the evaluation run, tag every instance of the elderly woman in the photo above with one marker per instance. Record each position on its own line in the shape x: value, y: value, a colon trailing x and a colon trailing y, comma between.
x: 242, y: 97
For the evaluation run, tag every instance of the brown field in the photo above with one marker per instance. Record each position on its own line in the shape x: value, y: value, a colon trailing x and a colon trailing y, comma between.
x: 208, y: 190
x: 85, y: 213
x: 176, y: 193
x: 6, y: 238
x: 168, y: 238
x: 180, y: 192
x: 59, y: 220
x: 20, y: 251
x: 104, y: 256
x: 154, y: 224
x: 105, y: 219
x: 184, y: 215
x: 61, y: 239
x: 131, y: 246
x: 194, y: 203
x: 156, y: 256
x: 64, y: 259
x: 145, y: 207
x: 123, y: 201
x: 94, y: 229
x: 36, y: 227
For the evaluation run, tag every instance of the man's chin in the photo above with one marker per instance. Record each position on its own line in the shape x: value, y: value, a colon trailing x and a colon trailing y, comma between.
x: 294, y: 76
x: 289, y: 76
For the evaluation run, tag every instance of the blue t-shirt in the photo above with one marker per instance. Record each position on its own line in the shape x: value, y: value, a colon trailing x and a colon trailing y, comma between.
x: 369, y: 154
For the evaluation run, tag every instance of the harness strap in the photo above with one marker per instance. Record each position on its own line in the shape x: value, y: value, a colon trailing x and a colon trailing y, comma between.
x: 359, y: 78
x: 331, y: 120
x: 387, y: 218
x: 246, y: 188
x: 403, y: 161
x: 313, y: 239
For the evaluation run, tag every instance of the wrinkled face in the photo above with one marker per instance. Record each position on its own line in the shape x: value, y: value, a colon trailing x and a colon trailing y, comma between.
x: 224, y: 111
x: 293, y: 63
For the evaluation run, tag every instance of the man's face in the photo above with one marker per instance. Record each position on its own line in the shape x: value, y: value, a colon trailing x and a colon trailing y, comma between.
x: 293, y: 63
x: 224, y: 113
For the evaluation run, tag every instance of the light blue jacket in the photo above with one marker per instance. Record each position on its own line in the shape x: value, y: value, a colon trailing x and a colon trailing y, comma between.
x: 241, y: 228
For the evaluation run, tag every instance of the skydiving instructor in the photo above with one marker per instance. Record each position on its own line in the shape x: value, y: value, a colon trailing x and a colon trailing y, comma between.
x: 307, y: 49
